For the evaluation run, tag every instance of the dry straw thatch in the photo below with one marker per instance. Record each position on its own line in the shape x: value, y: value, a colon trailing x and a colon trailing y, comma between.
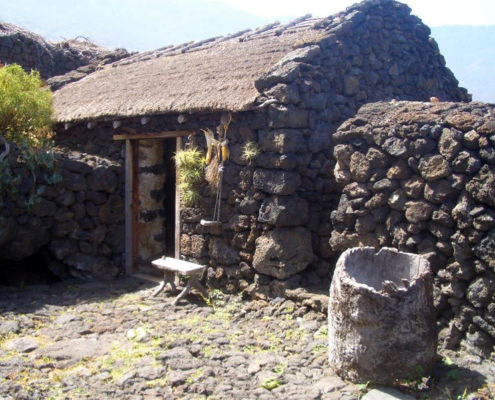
x: 213, y: 75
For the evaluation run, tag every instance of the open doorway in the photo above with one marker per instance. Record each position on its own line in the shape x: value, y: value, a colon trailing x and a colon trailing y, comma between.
x: 156, y: 209
x: 151, y: 200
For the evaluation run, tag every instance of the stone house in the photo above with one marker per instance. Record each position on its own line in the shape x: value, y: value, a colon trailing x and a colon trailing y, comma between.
x: 287, y: 87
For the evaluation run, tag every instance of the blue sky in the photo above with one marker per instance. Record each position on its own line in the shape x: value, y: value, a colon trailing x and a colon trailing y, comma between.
x: 139, y: 24
x: 433, y: 12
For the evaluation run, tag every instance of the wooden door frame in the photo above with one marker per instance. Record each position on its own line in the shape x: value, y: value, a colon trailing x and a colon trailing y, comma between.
x: 131, y: 202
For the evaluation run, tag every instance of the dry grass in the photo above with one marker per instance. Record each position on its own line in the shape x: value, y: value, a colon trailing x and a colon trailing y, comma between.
x: 216, y: 75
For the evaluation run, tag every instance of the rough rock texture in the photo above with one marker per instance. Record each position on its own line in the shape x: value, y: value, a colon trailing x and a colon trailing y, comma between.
x: 74, y: 226
x: 114, y: 340
x: 375, y: 50
x: 377, y: 181
x: 75, y: 57
x: 282, y: 253
x: 440, y: 206
x: 381, y: 316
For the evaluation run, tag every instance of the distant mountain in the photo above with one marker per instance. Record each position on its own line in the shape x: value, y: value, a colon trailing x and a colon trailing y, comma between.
x: 470, y: 53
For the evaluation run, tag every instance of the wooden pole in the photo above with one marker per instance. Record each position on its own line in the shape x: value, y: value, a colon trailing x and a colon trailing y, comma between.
x: 135, y: 205
x: 177, y: 205
x: 128, y: 207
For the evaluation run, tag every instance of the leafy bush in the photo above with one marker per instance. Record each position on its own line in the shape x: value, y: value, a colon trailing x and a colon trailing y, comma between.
x: 25, y: 107
x: 25, y: 120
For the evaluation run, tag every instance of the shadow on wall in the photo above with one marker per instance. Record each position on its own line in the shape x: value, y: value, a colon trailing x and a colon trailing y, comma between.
x: 32, y: 270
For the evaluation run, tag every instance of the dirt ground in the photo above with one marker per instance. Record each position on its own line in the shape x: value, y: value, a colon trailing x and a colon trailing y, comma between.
x: 105, y: 340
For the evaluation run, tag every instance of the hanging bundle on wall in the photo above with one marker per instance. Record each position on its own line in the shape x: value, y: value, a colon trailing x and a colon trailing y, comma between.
x: 217, y: 154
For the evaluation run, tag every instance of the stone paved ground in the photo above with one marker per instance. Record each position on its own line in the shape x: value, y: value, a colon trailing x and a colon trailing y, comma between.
x: 111, y: 340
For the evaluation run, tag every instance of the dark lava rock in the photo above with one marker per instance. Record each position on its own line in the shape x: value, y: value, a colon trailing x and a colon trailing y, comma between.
x: 283, y: 252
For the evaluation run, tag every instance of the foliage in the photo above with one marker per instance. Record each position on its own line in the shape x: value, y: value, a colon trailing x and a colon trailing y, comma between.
x: 25, y: 119
x: 271, y: 383
x: 190, y: 163
x: 274, y: 382
x: 251, y: 151
x: 25, y: 107
x: 8, y: 182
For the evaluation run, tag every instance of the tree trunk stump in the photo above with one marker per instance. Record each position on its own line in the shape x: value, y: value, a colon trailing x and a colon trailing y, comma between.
x: 381, y: 319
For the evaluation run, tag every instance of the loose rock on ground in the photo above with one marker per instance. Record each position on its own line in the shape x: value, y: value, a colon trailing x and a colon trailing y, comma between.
x: 112, y: 340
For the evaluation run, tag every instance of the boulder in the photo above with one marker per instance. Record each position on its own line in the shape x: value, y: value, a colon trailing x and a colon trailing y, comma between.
x: 112, y: 211
x: 283, y: 141
x: 87, y: 266
x: 466, y: 163
x: 276, y: 182
x: 222, y: 252
x: 482, y: 186
x: 45, y: 208
x: 395, y: 147
x: 439, y: 191
x: 360, y: 167
x: 449, y: 144
x: 479, y: 292
x: 417, y: 211
x: 193, y: 246
x: 24, y: 242
x: 283, y: 252
x: 434, y: 167
x: 287, y: 117
x: 287, y: 94
x: 280, y: 73
x: 103, y: 179
x: 276, y: 161
x: 284, y: 211
x: 485, y: 249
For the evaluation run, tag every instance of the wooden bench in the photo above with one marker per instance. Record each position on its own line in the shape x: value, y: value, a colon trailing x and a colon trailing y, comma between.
x: 171, y: 267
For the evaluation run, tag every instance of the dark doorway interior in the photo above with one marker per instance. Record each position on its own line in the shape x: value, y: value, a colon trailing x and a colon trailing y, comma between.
x: 32, y: 270
x: 169, y: 188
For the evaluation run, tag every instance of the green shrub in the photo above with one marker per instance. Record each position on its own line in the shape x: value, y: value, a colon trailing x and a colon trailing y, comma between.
x: 25, y: 120
x: 25, y: 107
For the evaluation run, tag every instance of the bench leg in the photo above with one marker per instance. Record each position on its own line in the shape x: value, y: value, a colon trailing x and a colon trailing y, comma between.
x: 197, y: 284
x: 167, y: 282
x: 159, y: 288
x: 184, y: 292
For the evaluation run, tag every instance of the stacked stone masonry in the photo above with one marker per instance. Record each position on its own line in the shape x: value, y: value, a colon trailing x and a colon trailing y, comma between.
x: 288, y: 213
x: 421, y: 177
x: 69, y: 60
x: 77, y: 225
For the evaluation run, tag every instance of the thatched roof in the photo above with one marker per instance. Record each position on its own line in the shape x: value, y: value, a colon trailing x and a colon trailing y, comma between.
x: 217, y: 74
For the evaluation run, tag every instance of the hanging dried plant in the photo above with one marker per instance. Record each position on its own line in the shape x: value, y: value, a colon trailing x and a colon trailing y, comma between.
x: 190, y: 163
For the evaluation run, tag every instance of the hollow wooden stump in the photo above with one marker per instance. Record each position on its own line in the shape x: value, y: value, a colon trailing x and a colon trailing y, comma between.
x: 381, y: 320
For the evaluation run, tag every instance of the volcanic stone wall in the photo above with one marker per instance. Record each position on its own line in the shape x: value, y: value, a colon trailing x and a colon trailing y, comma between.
x: 276, y: 206
x: 75, y: 57
x: 77, y: 224
x: 376, y: 50
x: 420, y: 177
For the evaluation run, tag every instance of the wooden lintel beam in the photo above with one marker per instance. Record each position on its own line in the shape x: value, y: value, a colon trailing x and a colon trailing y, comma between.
x: 157, y: 135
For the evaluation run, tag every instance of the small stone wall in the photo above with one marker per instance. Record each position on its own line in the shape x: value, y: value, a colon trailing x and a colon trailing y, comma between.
x: 78, y: 221
x: 421, y: 177
x: 31, y: 51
